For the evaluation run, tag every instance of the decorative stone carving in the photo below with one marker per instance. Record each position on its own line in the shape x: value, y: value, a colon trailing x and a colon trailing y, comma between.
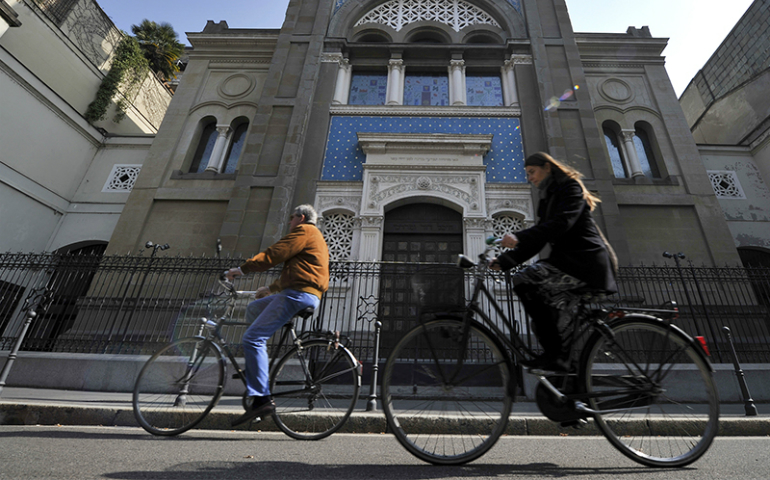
x: 331, y: 57
x: 371, y: 221
x: 616, y: 90
x: 235, y: 86
x: 457, y: 14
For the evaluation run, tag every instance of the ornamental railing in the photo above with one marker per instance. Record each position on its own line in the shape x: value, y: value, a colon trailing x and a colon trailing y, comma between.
x: 134, y: 304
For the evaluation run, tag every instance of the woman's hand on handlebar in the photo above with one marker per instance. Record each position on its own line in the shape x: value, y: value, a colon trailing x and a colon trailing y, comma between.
x: 509, y: 241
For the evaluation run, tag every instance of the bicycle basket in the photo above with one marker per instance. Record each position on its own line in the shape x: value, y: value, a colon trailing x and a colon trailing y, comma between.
x: 439, y: 288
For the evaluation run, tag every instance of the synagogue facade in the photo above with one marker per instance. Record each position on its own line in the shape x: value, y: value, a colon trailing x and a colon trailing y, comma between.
x: 406, y: 124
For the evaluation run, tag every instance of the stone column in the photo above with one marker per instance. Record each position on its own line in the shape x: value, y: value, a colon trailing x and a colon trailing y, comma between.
x: 344, y: 76
x: 395, y: 82
x: 633, y: 159
x: 508, y: 77
x: 457, y: 93
x: 475, y: 236
x: 371, y: 232
x: 220, y: 146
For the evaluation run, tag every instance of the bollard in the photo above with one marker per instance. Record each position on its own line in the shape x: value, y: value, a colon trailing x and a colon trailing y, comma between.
x: 748, y: 402
x: 371, y: 405
x: 39, y: 298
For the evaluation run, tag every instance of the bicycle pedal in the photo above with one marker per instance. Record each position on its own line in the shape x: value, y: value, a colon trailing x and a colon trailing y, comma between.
x: 236, y: 376
x: 256, y: 420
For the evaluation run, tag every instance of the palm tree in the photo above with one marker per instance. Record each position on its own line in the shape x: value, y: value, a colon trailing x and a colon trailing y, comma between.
x: 160, y: 46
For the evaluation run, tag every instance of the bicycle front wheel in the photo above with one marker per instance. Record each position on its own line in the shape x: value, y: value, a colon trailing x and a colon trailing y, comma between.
x: 178, y: 386
x: 655, y: 391
x: 315, y: 390
x: 446, y: 391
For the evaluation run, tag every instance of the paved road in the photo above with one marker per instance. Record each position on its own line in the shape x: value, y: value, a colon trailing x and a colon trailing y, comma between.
x: 125, y: 453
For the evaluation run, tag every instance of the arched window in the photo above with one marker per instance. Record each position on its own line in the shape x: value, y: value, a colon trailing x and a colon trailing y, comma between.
x: 616, y: 152
x: 235, y: 148
x: 645, y: 153
x: 205, y: 147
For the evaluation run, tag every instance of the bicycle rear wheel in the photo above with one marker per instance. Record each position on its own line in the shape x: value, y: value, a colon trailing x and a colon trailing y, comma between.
x: 446, y: 395
x: 312, y: 406
x: 656, y: 390
x: 178, y: 386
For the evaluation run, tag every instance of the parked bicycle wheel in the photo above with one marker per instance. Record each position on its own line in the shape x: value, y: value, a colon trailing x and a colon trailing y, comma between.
x: 178, y: 386
x: 656, y: 389
x: 446, y: 394
x: 313, y: 405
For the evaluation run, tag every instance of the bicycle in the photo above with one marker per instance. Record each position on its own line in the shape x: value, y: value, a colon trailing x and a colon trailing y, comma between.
x: 315, y: 384
x: 448, y: 384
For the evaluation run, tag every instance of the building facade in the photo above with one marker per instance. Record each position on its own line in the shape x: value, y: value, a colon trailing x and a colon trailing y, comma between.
x: 406, y: 123
x: 63, y: 180
x: 728, y: 110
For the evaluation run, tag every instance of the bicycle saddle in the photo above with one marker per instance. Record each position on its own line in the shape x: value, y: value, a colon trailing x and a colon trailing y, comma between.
x: 305, y: 313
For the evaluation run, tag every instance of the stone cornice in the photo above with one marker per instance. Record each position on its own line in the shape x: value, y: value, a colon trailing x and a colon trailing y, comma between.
x: 417, y: 111
x: 424, y: 142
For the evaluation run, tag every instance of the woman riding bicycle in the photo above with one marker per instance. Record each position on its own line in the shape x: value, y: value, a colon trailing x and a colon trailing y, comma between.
x: 580, y: 256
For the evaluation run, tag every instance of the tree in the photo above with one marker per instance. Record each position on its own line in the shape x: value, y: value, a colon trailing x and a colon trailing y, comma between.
x: 160, y: 46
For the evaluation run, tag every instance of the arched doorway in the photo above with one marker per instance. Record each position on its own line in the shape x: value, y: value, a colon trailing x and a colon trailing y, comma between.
x: 76, y: 266
x: 412, y: 235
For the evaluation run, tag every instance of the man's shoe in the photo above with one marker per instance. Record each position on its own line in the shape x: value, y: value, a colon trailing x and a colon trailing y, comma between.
x: 258, y: 409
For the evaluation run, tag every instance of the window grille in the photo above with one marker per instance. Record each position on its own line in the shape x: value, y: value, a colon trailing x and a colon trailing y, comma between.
x: 726, y: 184
x: 338, y: 233
x: 122, y: 178
x: 455, y: 13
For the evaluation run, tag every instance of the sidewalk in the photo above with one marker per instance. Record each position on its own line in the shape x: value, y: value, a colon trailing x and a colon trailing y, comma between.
x: 29, y: 406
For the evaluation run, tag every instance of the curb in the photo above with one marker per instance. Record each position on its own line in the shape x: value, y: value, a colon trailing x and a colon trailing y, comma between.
x: 359, y: 422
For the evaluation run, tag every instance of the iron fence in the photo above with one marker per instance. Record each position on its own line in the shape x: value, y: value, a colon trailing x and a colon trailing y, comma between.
x: 134, y: 304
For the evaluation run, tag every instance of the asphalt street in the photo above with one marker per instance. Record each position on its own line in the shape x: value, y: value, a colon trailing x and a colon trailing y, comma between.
x: 127, y: 453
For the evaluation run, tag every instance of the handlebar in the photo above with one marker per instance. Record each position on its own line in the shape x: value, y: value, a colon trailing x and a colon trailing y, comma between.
x: 226, y: 284
x: 465, y: 262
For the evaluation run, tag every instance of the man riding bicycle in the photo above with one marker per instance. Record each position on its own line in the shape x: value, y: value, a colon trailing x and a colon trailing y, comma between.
x: 304, y: 278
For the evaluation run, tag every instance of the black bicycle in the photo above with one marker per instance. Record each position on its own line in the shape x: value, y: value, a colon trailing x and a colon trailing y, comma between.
x: 448, y: 385
x: 315, y: 384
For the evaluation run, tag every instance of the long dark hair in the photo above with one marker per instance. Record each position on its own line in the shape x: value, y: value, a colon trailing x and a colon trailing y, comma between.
x: 559, y: 169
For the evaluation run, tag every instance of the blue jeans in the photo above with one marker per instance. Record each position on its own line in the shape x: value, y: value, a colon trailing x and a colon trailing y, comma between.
x: 267, y: 315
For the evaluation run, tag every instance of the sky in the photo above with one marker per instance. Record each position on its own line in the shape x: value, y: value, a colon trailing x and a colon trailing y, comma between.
x: 695, y: 28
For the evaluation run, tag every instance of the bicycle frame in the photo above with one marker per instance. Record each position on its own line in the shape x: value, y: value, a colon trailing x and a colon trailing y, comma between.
x: 215, y: 336
x: 513, y: 343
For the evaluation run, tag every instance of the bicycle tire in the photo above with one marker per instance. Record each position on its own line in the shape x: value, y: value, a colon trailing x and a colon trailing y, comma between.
x: 456, y: 419
x: 178, y: 386
x: 673, y: 418
x: 314, y: 408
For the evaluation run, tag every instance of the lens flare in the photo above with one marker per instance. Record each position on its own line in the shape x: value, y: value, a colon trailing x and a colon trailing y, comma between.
x: 555, y: 102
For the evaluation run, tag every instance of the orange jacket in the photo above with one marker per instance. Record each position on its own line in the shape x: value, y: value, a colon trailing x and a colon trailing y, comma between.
x: 305, y: 258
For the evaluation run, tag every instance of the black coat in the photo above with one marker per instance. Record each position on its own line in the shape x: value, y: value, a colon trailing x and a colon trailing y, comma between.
x: 577, y: 248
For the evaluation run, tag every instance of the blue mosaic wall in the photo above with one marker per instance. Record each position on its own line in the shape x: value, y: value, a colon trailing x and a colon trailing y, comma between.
x: 344, y: 159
